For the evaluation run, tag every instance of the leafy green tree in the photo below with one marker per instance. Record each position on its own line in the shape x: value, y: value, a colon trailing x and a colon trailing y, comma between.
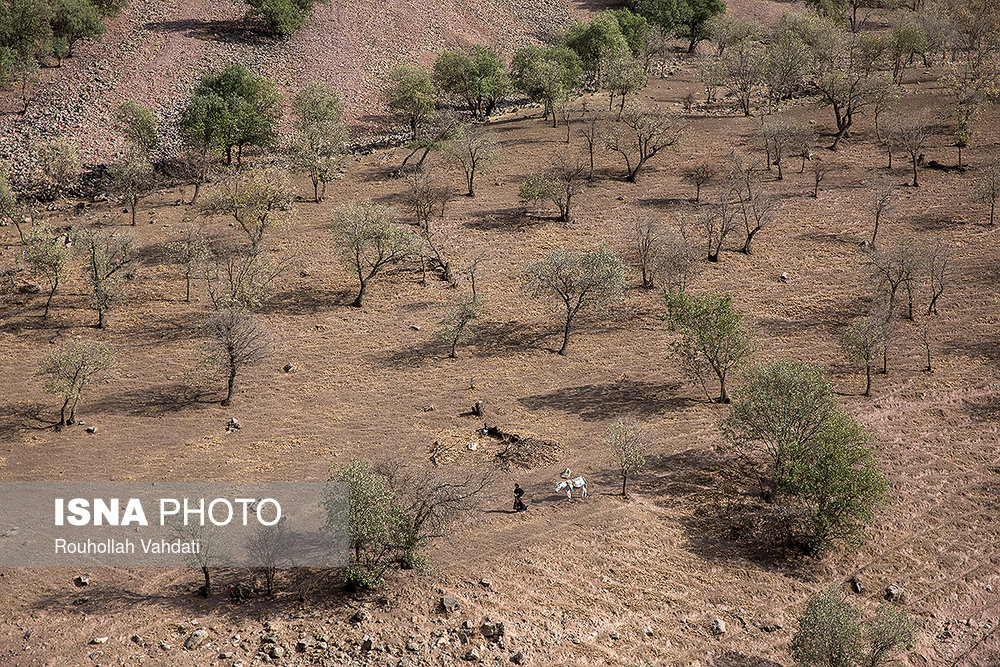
x: 726, y: 30
x: 695, y: 19
x: 57, y: 167
x: 410, y: 95
x: 663, y: 13
x: 231, y: 109
x: 377, y: 523
x: 319, y: 120
x: 259, y: 200
x: 370, y: 242
x: 476, y: 76
x: 26, y: 28
x: 70, y: 369
x: 579, y: 280
x: 627, y: 445
x: 138, y: 125
x: 634, y: 28
x: 622, y: 75
x: 46, y: 259
x: 547, y: 76
x: 73, y: 20
x: 833, y: 633
x: 282, y: 17
x: 596, y: 41
x: 829, y: 633
x: 713, y: 341
x: 805, y: 451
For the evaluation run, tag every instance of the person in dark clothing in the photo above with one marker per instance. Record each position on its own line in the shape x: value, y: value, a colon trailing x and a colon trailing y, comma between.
x: 519, y: 505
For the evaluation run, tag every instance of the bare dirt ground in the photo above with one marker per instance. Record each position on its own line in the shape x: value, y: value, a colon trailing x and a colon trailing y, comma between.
x: 598, y: 581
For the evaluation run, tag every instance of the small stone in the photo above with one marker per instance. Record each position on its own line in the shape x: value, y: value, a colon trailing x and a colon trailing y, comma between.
x: 615, y: 636
x: 472, y: 655
x: 83, y: 599
x: 412, y: 646
x: 857, y: 585
x: 770, y: 626
x: 361, y: 615
x: 367, y: 644
x: 226, y: 655
x: 492, y: 630
x: 276, y: 652
x: 648, y: 631
x: 518, y: 658
x: 894, y: 593
x: 415, y: 327
x: 472, y: 446
x: 196, y: 639
x: 99, y: 640
x: 82, y: 580
x: 449, y: 604
x: 717, y: 627
x: 428, y: 408
x: 91, y: 429
x: 566, y: 474
x: 485, y: 582
x: 784, y: 277
x: 233, y: 424
x: 164, y: 646
x: 288, y: 367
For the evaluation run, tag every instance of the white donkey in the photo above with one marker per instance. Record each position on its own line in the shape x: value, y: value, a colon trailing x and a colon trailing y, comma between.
x: 570, y: 484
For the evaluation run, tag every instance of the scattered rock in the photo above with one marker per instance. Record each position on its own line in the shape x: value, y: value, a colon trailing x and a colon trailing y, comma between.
x: 91, y: 429
x: 518, y: 658
x: 10, y: 532
x: 472, y: 655
x: 164, y: 646
x: 83, y: 599
x: 241, y: 591
x: 99, y: 640
x: 566, y: 474
x: 412, y: 646
x: 478, y: 409
x: 784, y: 277
x: 648, y: 631
x: 718, y: 626
x: 361, y: 615
x: 415, y: 327
x: 233, y: 424
x: 770, y: 626
x: 367, y: 644
x: 492, y: 630
x: 81, y: 580
x: 449, y: 604
x: 276, y: 652
x: 485, y: 582
x: 894, y: 593
x: 472, y: 446
x: 29, y: 288
x: 196, y: 639
x: 857, y: 585
x: 288, y: 368
x: 614, y: 636
x: 428, y: 408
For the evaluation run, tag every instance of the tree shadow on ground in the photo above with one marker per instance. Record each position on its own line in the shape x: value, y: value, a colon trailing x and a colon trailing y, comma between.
x: 180, y: 595
x: 731, y: 658
x: 725, y: 520
x: 24, y: 415
x: 667, y: 203
x: 513, y: 218
x: 595, y: 402
x: 155, y: 401
x: 499, y: 338
x: 307, y: 301
x: 237, y: 31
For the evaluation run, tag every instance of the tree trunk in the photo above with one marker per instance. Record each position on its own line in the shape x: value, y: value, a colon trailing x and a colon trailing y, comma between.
x: 361, y: 294
x: 102, y: 320
x: 187, y: 287
x: 133, y: 212
x: 565, y: 342
x: 48, y: 301
x: 915, y: 184
x: 230, y: 386
x: 206, y: 590
x: 62, y: 412
x: 868, y: 379
x: 723, y: 394
x: 624, y: 486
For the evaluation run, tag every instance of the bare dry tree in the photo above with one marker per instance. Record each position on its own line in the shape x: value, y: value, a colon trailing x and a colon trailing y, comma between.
x: 939, y: 271
x: 779, y: 139
x: 592, y: 131
x: 911, y: 135
x: 640, y: 135
x: 879, y: 201
x: 862, y: 344
x: 108, y: 259
x: 699, y: 175
x: 188, y: 251
x: 756, y: 208
x: 237, y: 342
x: 567, y: 172
x: 820, y: 168
x: 894, y: 267
x: 718, y: 221
x: 680, y: 260
x: 269, y: 548
x: 427, y: 195
x: 646, y: 241
x: 259, y: 200
x: 476, y: 264
x: 474, y: 153
x: 987, y: 186
x: 235, y: 278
